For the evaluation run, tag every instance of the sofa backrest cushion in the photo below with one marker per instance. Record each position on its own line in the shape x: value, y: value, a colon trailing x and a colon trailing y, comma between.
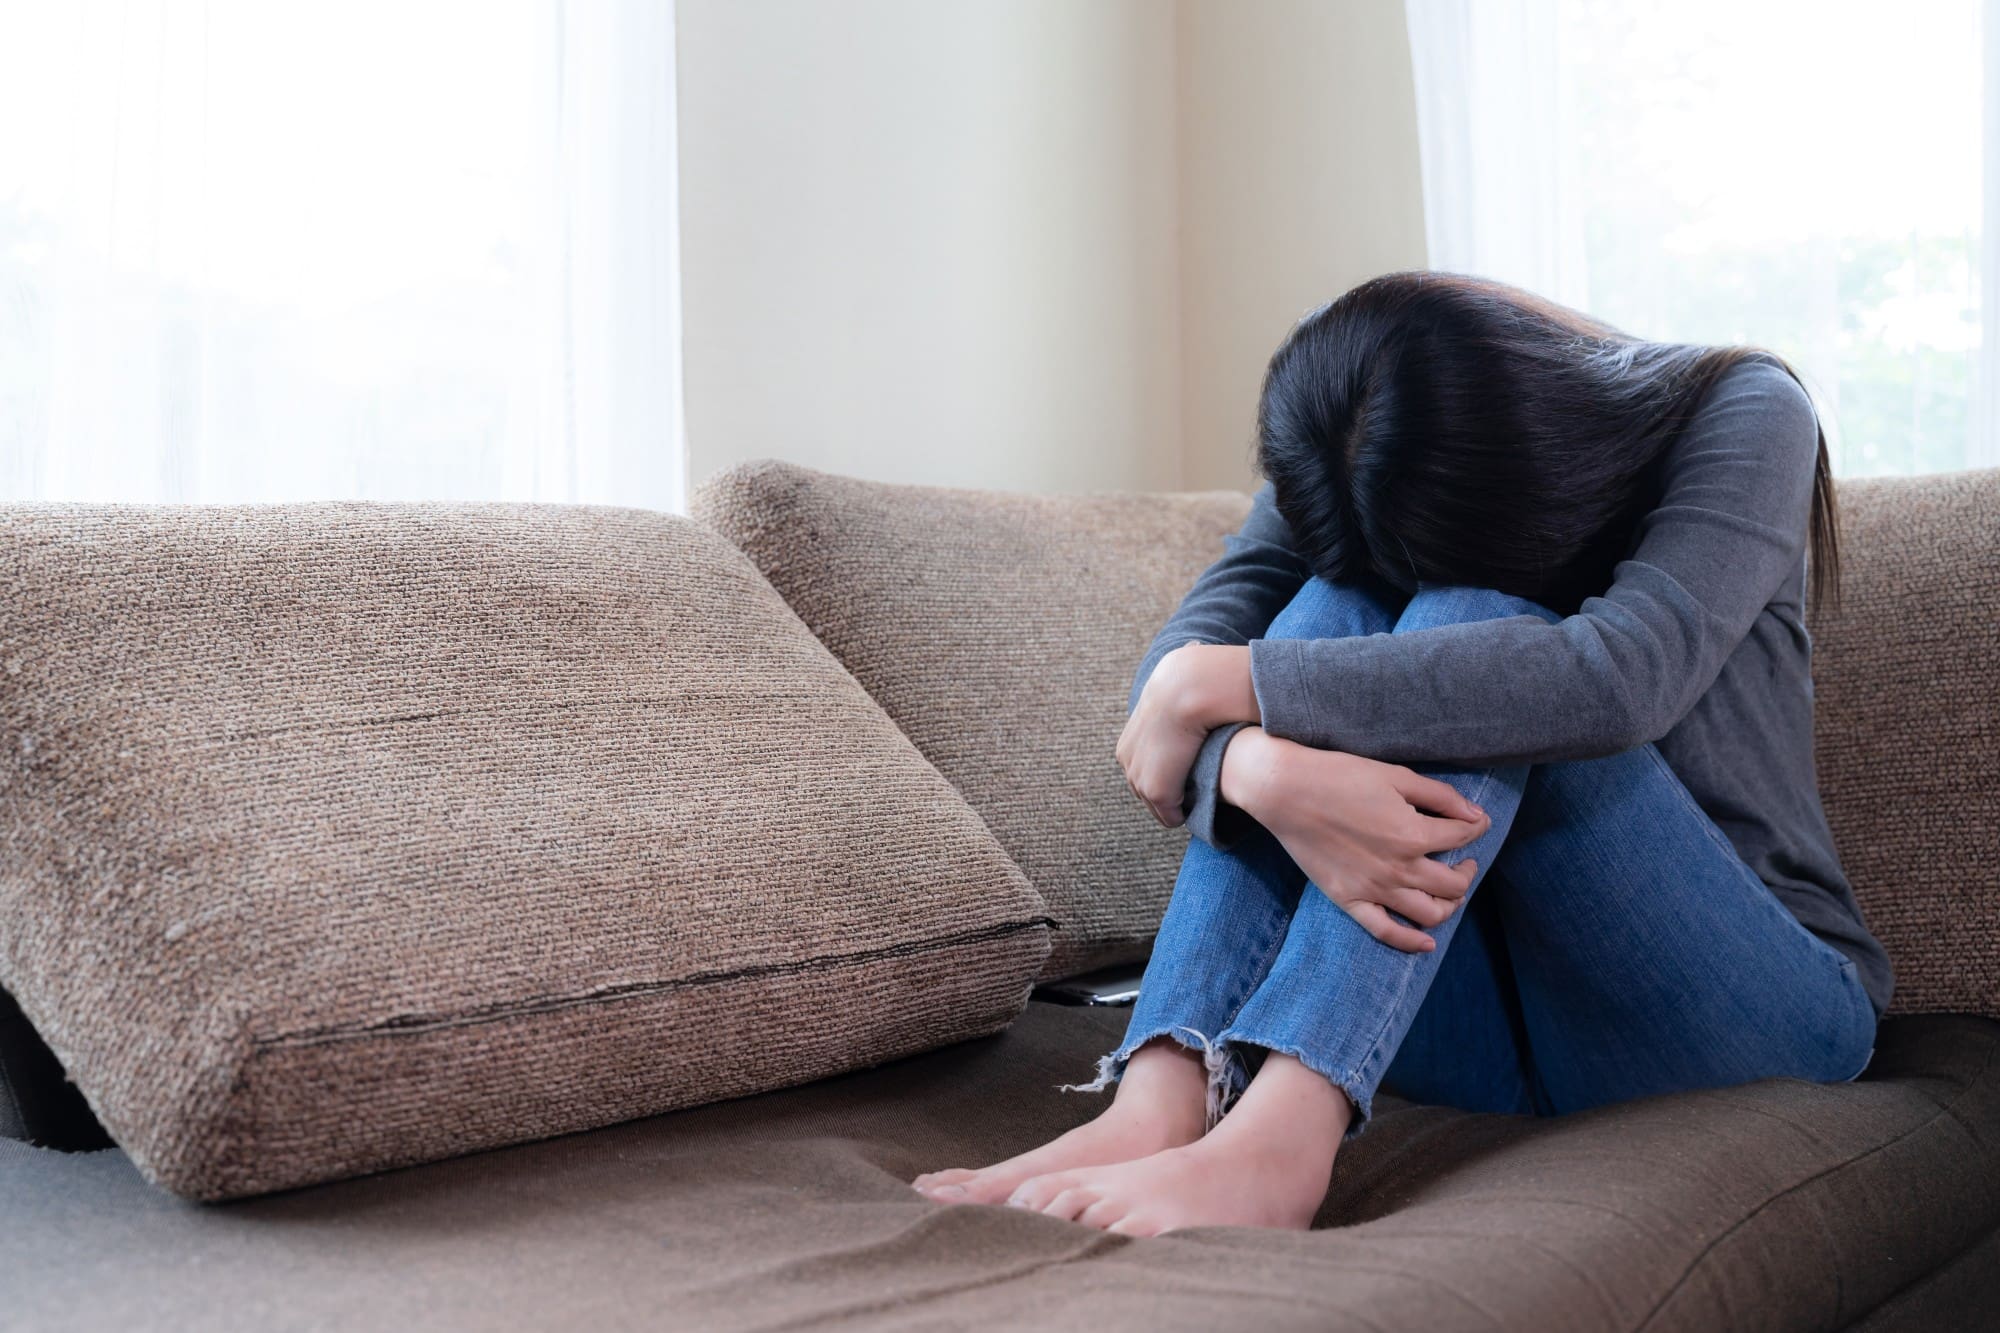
x: 339, y: 836
x: 1000, y: 631
x: 1907, y: 690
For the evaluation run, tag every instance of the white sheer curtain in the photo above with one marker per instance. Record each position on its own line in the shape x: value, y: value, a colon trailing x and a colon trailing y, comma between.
x: 1494, y: 104
x: 256, y: 251
x: 1985, y: 448
x: 1805, y: 176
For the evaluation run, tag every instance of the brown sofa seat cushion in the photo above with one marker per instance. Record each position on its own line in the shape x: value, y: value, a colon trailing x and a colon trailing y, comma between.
x: 1906, y: 675
x: 1001, y: 632
x: 1776, y: 1205
x: 335, y: 837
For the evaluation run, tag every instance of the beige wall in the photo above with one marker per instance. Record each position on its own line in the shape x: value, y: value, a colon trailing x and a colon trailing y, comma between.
x: 1035, y: 244
x: 1299, y: 177
x: 931, y: 240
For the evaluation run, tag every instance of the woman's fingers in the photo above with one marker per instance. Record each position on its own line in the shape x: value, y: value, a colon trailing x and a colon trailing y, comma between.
x: 1375, y: 919
x: 1167, y: 813
x: 1440, y: 880
x: 1421, y: 907
x: 1438, y: 797
x: 1445, y: 835
x: 1140, y: 796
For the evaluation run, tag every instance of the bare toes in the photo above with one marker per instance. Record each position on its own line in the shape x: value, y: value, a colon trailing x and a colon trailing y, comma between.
x: 1036, y: 1192
x: 1068, y: 1203
x: 953, y: 1175
x: 1105, y: 1214
x: 954, y: 1194
x: 989, y: 1186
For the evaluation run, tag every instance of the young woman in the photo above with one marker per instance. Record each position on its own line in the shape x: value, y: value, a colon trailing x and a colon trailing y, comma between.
x: 1564, y: 573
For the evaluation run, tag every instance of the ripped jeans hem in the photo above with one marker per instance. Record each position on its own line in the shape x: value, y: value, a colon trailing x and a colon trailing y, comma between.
x: 1227, y: 1074
x: 1359, y: 1091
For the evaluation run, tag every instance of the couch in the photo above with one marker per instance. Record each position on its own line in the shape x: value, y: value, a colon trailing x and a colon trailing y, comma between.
x: 1777, y: 1205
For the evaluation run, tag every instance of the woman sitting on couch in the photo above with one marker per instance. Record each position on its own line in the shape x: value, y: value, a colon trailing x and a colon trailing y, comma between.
x: 1563, y: 571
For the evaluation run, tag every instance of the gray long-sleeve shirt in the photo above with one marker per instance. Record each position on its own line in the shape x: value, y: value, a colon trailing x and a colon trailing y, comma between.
x: 1699, y: 644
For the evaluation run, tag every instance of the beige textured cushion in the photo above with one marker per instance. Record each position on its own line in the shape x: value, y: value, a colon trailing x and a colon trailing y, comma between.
x: 1907, y: 682
x: 1001, y: 632
x: 335, y: 837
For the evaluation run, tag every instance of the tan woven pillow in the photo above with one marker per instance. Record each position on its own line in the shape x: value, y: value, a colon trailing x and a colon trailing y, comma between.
x: 336, y: 837
x: 1001, y: 632
x: 1907, y: 684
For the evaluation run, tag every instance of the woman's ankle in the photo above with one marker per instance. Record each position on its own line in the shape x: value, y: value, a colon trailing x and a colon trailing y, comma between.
x: 1166, y: 1085
x: 1288, y: 1110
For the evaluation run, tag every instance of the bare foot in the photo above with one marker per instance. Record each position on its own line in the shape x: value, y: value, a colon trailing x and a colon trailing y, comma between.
x: 1266, y: 1165
x: 1161, y: 1103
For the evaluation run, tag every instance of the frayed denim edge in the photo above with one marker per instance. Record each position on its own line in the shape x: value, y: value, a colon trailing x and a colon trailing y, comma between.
x: 1227, y: 1075
x: 1347, y: 1081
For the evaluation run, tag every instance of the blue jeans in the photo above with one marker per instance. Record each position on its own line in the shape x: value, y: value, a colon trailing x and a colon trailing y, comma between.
x: 1614, y: 944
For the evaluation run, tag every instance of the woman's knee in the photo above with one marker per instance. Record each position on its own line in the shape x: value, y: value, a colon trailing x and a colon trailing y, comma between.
x: 1458, y: 604
x: 1326, y: 610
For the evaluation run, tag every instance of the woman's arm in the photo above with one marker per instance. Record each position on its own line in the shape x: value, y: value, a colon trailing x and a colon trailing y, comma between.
x: 1233, y: 601
x: 1729, y: 531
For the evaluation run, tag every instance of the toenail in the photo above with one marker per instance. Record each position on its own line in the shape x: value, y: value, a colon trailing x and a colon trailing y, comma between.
x: 1016, y: 1201
x: 954, y: 1191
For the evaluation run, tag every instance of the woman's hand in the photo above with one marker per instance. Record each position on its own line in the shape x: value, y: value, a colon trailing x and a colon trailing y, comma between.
x: 1195, y: 688
x: 1357, y: 828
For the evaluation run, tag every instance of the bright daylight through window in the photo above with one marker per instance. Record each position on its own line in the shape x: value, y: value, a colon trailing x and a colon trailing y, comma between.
x: 1803, y: 176
x: 287, y: 251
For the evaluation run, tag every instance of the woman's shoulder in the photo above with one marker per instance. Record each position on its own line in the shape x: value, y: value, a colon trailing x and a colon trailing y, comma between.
x: 1763, y: 386
x: 1754, y: 432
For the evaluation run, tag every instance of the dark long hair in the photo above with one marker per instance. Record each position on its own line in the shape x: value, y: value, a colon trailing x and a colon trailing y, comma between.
x: 1427, y: 427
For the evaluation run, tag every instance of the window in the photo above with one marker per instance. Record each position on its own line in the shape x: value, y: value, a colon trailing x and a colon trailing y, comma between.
x: 1802, y: 176
x: 371, y: 250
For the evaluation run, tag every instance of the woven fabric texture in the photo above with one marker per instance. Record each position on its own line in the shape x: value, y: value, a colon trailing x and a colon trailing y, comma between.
x: 1906, y: 675
x: 1000, y: 631
x: 337, y: 837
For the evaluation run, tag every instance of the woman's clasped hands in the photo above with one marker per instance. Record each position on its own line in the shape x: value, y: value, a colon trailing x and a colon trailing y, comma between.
x: 1362, y: 830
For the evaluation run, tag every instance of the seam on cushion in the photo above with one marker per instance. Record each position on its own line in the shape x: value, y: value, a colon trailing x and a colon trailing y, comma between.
x: 1941, y: 1113
x: 496, y: 710
x: 412, y: 1024
x: 1796, y: 1126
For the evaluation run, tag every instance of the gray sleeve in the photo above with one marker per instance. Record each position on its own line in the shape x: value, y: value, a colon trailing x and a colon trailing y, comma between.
x: 1729, y: 530
x: 1209, y: 817
x: 1233, y: 601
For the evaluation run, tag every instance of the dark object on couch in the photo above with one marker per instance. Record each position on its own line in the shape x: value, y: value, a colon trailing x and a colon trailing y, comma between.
x: 38, y: 1104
